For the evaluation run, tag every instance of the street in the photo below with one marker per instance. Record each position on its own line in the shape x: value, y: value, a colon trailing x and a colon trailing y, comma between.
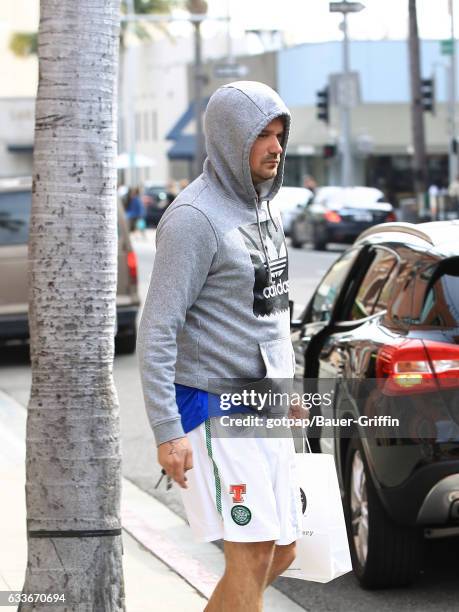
x: 436, y: 588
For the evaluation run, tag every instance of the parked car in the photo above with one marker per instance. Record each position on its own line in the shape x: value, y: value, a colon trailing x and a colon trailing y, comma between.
x: 156, y: 199
x: 290, y: 201
x: 339, y: 214
x: 382, y: 332
x: 15, y: 205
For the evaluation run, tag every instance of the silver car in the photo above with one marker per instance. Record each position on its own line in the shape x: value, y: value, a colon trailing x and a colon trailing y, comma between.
x: 15, y: 204
x: 290, y: 201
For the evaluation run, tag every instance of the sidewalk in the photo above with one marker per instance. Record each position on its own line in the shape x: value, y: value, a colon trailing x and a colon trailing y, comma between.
x: 146, y: 577
x: 164, y: 568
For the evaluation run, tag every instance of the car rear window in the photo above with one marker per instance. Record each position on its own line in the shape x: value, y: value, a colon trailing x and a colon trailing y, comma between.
x: 348, y: 196
x: 14, y: 217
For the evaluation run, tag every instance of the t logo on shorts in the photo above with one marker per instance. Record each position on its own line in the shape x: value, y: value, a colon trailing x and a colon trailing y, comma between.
x: 236, y: 491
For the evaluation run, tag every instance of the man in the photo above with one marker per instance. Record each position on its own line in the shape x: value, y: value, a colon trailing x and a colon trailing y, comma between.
x: 135, y: 210
x: 217, y: 308
x: 310, y: 183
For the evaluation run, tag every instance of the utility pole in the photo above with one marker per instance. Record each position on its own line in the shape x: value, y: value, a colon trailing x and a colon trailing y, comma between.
x: 452, y: 149
x: 417, y: 117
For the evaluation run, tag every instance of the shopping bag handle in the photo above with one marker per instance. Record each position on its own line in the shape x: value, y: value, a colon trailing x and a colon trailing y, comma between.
x: 305, y: 441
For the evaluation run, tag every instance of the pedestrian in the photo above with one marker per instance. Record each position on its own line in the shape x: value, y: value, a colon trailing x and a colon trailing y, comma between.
x: 310, y: 183
x: 135, y: 211
x: 217, y: 308
x: 453, y: 192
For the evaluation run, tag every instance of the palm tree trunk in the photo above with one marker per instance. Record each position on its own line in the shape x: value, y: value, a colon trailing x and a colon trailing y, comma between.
x: 73, y: 475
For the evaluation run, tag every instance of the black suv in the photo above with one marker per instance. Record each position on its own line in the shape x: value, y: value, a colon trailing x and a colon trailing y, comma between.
x: 382, y: 333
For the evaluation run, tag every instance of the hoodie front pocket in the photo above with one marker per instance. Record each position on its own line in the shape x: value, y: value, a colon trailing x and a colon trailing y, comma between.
x: 277, y: 357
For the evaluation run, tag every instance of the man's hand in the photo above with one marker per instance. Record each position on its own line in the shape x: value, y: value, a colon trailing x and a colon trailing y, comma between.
x: 298, y: 412
x: 176, y: 457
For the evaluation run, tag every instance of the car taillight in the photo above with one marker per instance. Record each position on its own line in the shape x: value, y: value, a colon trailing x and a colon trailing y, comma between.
x: 417, y: 366
x: 391, y: 217
x: 445, y: 362
x: 132, y: 265
x: 332, y: 216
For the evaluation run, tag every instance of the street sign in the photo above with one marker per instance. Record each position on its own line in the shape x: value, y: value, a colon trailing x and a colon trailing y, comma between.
x: 230, y: 71
x: 447, y: 46
x: 346, y: 7
x: 345, y: 89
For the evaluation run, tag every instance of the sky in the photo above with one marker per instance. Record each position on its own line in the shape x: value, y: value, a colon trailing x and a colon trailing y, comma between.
x: 311, y: 20
x: 300, y: 21
x: 306, y: 20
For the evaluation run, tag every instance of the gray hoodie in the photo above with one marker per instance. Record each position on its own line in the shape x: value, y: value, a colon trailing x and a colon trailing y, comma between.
x: 217, y: 306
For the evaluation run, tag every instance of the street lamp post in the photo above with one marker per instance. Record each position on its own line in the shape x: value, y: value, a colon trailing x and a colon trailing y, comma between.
x: 198, y: 7
x: 347, y: 170
x: 129, y: 103
x: 198, y: 100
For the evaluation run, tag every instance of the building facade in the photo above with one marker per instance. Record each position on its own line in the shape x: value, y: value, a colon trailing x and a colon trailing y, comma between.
x: 381, y: 119
x: 156, y: 105
x: 19, y: 79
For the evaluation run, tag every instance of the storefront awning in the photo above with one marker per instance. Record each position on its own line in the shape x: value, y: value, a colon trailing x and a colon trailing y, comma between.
x: 20, y: 148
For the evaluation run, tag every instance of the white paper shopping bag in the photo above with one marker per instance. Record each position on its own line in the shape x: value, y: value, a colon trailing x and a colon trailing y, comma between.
x: 323, y: 552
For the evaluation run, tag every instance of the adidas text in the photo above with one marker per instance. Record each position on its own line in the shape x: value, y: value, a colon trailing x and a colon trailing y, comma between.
x: 277, y: 289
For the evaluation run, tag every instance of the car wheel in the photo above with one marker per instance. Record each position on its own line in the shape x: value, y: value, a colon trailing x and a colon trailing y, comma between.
x: 319, y: 242
x: 295, y: 241
x: 383, y: 553
x: 125, y: 344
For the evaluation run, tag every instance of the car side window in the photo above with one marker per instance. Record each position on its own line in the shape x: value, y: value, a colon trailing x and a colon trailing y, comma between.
x: 437, y: 288
x: 374, y: 291
x: 15, y: 217
x: 329, y: 289
x: 403, y: 295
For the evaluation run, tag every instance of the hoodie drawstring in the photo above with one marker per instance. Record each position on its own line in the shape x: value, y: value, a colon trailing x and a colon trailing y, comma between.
x: 275, y: 225
x: 271, y: 217
x: 268, y: 265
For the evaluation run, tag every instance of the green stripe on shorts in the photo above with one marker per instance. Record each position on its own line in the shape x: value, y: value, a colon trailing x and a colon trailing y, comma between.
x: 218, y: 488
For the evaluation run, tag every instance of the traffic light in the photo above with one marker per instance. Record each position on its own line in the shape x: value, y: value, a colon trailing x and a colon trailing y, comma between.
x: 428, y: 95
x: 329, y: 151
x: 323, y: 105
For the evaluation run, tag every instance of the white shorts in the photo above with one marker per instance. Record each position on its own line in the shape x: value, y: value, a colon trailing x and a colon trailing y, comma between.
x: 242, y: 489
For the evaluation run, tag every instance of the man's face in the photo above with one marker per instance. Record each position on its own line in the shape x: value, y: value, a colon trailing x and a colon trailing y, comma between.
x: 266, y: 152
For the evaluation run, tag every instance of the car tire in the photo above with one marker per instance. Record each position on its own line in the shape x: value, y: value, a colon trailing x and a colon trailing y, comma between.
x: 318, y: 241
x: 383, y: 553
x: 294, y: 240
x: 125, y: 344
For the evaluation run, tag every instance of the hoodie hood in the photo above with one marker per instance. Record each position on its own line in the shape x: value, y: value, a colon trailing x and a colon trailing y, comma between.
x: 235, y: 115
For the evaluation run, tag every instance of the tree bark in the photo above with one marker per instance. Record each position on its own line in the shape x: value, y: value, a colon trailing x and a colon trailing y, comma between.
x: 417, y: 116
x: 73, y: 465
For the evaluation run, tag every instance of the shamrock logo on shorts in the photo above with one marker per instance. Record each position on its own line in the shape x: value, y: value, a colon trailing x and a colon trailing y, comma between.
x: 241, y: 515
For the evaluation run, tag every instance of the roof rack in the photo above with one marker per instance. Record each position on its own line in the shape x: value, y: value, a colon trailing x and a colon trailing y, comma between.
x: 396, y: 226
